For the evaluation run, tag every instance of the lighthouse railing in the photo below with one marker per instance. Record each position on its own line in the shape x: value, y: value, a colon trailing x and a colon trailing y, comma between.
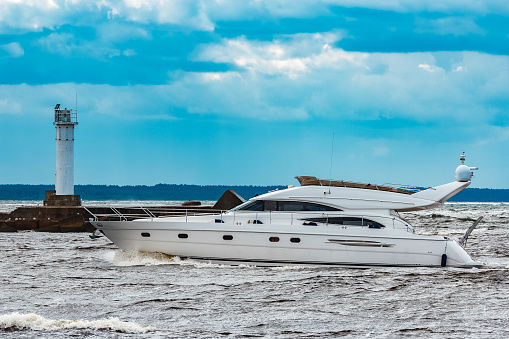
x: 66, y: 116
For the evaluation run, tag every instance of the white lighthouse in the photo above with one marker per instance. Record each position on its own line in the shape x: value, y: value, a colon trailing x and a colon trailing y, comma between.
x: 65, y: 119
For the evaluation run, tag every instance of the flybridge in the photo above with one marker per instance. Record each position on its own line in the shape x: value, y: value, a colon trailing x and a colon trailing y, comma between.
x: 314, y: 181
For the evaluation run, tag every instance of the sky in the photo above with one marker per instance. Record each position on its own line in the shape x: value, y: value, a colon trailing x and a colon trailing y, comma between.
x: 256, y: 92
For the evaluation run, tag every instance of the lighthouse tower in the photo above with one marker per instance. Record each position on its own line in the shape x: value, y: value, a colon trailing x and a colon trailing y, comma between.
x: 65, y: 119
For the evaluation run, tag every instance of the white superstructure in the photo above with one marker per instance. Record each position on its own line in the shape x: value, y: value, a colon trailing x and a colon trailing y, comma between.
x: 322, y: 222
x: 65, y: 119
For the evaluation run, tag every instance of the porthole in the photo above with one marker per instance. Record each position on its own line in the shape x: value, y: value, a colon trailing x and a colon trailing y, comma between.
x: 227, y: 237
x: 145, y: 235
x: 273, y: 239
x: 183, y: 236
x: 295, y: 240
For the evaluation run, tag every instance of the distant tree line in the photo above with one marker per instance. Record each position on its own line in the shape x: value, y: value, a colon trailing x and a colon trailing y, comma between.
x: 139, y: 192
x: 197, y: 192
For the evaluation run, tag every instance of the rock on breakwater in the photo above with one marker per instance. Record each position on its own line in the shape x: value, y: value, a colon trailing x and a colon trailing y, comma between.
x: 46, y: 219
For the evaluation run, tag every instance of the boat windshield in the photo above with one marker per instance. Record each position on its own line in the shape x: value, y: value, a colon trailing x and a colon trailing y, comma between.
x: 288, y: 206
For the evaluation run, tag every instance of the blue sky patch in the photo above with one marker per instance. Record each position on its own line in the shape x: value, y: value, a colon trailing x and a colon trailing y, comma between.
x: 251, y: 92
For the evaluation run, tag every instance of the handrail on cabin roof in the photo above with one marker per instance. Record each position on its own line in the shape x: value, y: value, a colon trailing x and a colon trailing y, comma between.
x: 314, y: 181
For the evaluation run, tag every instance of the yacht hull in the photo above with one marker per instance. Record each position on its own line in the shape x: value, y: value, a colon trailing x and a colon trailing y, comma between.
x: 262, y: 245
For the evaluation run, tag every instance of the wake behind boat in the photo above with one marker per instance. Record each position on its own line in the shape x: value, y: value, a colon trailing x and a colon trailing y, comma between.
x: 321, y: 222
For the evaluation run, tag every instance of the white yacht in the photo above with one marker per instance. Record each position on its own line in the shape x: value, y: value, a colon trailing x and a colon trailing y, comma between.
x: 321, y: 222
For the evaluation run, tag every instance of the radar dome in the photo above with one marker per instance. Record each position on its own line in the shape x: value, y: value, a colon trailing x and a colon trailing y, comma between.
x: 463, y: 173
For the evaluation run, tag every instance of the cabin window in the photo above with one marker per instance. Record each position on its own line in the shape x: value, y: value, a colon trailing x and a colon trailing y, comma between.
x: 295, y: 240
x: 274, y: 239
x: 256, y: 205
x: 145, y: 235
x: 286, y: 206
x: 298, y: 206
x: 227, y: 237
x: 350, y: 221
x: 183, y: 236
x: 270, y: 205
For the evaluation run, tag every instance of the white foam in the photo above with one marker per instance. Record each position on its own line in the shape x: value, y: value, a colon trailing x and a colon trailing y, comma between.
x: 36, y: 322
x: 292, y: 267
x: 202, y: 264
x: 138, y: 258
x: 494, y: 263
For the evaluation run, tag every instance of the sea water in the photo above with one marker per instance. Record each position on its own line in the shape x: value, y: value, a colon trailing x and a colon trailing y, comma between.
x: 11, y: 205
x: 68, y: 285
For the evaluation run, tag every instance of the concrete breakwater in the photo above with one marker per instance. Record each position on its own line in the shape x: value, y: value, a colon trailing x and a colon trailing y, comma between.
x: 70, y: 219
x: 76, y: 218
x: 46, y: 219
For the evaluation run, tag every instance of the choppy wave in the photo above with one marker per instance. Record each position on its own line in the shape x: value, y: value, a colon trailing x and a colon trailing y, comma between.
x: 184, y: 298
x: 138, y: 203
x: 139, y: 258
x: 32, y: 321
x: 11, y: 205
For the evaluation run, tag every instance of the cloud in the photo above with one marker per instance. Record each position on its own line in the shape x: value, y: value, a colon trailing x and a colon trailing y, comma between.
x: 340, y: 84
x: 35, y: 15
x: 416, y: 6
x: 495, y: 135
x: 183, y: 13
x: 129, y: 52
x: 12, y: 49
x: 429, y: 68
x: 170, y: 51
x: 68, y: 45
x: 282, y: 56
x: 458, y: 26
x: 477, y: 95
x: 119, y: 32
x: 8, y: 106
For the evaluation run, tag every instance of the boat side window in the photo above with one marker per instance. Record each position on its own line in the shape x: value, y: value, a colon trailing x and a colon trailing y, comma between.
x: 350, y: 221
x: 257, y: 205
x: 270, y: 205
x: 285, y: 206
x: 297, y: 206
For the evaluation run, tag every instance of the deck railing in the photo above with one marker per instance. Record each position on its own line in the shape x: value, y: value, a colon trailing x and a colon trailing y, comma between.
x: 238, y: 217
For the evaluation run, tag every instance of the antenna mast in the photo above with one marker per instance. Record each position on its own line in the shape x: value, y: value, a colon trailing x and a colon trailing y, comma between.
x: 331, y: 154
